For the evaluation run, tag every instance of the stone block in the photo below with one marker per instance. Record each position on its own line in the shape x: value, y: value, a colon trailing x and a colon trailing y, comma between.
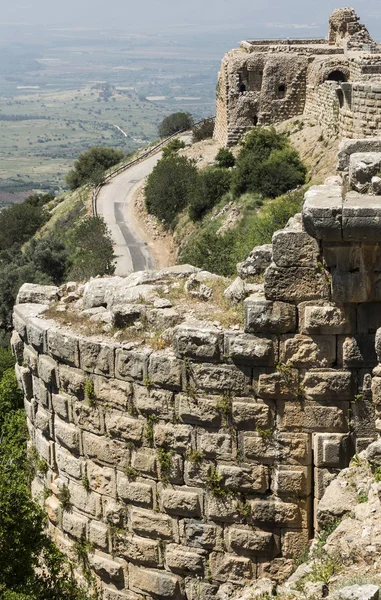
x: 243, y: 540
x: 376, y: 390
x: 186, y: 502
x: 44, y: 446
x: 294, y: 542
x: 322, y: 210
x: 113, y: 392
x: 88, y: 418
x: 67, y: 435
x: 303, y: 351
x: 250, y: 349
x: 229, y: 567
x: 99, y: 534
x: 107, y: 569
x: 196, y: 471
x: 256, y: 263
x: 39, y: 390
x: 225, y: 508
x: 164, y: 369
x: 43, y: 420
x: 105, y: 450
x: 221, y: 378
x: 216, y: 445
x: 322, y: 478
x: 332, y: 450
x: 36, y: 330
x: 313, y: 416
x: 97, y: 357
x: 125, y: 428
x: 199, y: 534
x: 276, y: 513
x: 357, y: 351
x: 296, y: 284
x: 63, y: 346
x: 198, y: 342
x: 138, y: 492
x: 181, y: 559
x: 47, y: 370
x: 198, y: 411
x: 71, y: 380
x: 282, y: 384
x: 101, y: 479
x: 137, y: 549
x: 264, y: 316
x: 328, y: 385
x: 326, y: 318
x: 30, y: 359
x: 158, y: 583
x: 152, y: 401
x: 250, y: 414
x: 74, y: 524
x: 152, y: 524
x: 145, y: 461
x: 291, y: 481
x: 358, y: 592
x: 294, y: 248
x: 290, y: 448
x: 362, y: 167
x: 176, y: 437
x: 25, y: 382
x: 131, y: 364
x: 246, y: 479
x: 368, y: 318
x: 17, y: 346
x: 35, y: 293
x: 87, y: 502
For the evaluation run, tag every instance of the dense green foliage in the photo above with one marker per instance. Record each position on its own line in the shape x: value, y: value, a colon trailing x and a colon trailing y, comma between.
x: 92, y: 249
x: 20, y: 221
x: 225, y: 158
x: 91, y: 166
x: 203, y: 130
x: 31, y: 567
x: 172, y: 147
x: 168, y: 188
x: 267, y: 165
x: 178, y: 121
x: 211, y: 185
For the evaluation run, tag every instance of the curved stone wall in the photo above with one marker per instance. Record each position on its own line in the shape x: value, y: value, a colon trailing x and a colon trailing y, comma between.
x: 182, y: 448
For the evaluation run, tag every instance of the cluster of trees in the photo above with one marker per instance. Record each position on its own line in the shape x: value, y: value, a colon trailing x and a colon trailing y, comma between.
x: 266, y: 165
x: 90, y: 166
x: 182, y: 121
x: 31, y: 566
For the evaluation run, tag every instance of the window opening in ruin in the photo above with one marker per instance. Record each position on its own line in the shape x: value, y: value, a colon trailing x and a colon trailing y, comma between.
x: 281, y: 91
x: 242, y: 88
x: 255, y: 120
x: 338, y: 76
x: 340, y: 96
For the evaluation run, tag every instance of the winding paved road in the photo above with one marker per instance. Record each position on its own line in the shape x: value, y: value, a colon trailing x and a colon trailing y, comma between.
x: 115, y: 205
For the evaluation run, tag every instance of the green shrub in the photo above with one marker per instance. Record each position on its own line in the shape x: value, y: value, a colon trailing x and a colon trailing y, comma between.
x: 176, y: 122
x: 225, y: 158
x: 204, y: 130
x: 172, y: 147
x: 91, y: 165
x: 211, y: 185
x: 19, y: 223
x: 92, y: 250
x: 168, y: 188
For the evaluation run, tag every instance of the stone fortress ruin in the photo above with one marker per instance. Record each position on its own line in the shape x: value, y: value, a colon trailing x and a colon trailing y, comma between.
x: 336, y: 82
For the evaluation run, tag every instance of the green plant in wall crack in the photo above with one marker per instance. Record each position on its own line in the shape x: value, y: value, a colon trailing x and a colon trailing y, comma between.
x: 86, y: 482
x: 83, y: 548
x: 64, y: 497
x: 149, y: 431
x: 131, y: 473
x: 195, y: 457
x: 89, y: 393
x: 38, y: 464
x: 148, y: 383
x: 265, y: 434
x: 225, y: 407
x: 164, y: 458
x: 215, y: 484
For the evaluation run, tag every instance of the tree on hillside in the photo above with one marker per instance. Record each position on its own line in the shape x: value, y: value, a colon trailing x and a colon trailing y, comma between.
x: 19, y: 222
x: 91, y: 165
x: 92, y: 252
x: 174, y: 123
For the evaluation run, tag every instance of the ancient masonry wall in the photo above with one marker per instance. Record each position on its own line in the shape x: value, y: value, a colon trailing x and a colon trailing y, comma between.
x: 202, y: 463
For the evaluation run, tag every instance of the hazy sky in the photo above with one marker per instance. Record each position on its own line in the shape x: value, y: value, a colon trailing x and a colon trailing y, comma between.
x: 126, y: 14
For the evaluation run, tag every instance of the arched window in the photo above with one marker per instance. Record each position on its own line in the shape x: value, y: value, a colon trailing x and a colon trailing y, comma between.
x: 281, y: 91
x: 337, y: 75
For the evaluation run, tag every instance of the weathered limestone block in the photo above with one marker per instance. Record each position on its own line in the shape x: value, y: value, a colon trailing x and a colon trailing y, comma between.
x: 89, y: 418
x: 378, y: 344
x: 358, y: 592
x: 30, y: 359
x: 176, y: 437
x: 186, y: 502
x: 202, y: 535
x: 22, y: 313
x: 125, y: 315
x: 230, y: 567
x: 326, y: 318
x: 277, y: 513
x: 131, y: 364
x: 139, y: 492
x: 163, y: 318
x: 328, y: 385
x: 258, y: 351
x: 280, y: 385
x: 71, y: 380
x: 198, y: 411
x: 292, y: 247
x: 25, y: 382
x: 114, y: 594
x: 256, y: 263
x: 95, y: 291
x: 315, y: 416
x: 105, y: 450
x: 96, y: 357
x: 216, y: 445
x: 244, y: 540
x: 362, y: 167
x: 250, y: 479
x: 126, y: 428
x: 36, y: 330
x: 357, y: 351
x: 376, y: 390
x: 265, y: 316
x: 194, y: 340
x: 114, y: 392
x: 180, y: 559
x: 137, y: 549
x: 291, y: 481
x: 45, y: 447
x: 164, y: 369
x: 158, y: 583
x: 250, y: 414
x: 322, y: 210
x: 322, y: 478
x: 53, y: 508
x: 221, y: 378
x: 304, y: 351
x: 296, y: 284
x: 175, y: 472
x: 145, y: 461
x: 332, y: 450
x: 63, y: 346
x: 151, y: 524
x: 101, y: 479
x: 17, y: 346
x: 47, y: 370
x: 107, y: 569
x: 68, y: 464
x: 99, y: 534
x: 196, y: 472
x: 34, y: 293
x: 224, y: 509
x: 67, y: 435
x: 39, y: 390
x: 43, y: 420
x: 87, y: 502
x: 200, y: 589
x: 74, y: 524
x: 290, y: 448
x: 153, y: 401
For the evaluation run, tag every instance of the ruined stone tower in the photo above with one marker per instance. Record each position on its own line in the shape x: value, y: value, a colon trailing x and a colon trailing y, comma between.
x: 334, y: 81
